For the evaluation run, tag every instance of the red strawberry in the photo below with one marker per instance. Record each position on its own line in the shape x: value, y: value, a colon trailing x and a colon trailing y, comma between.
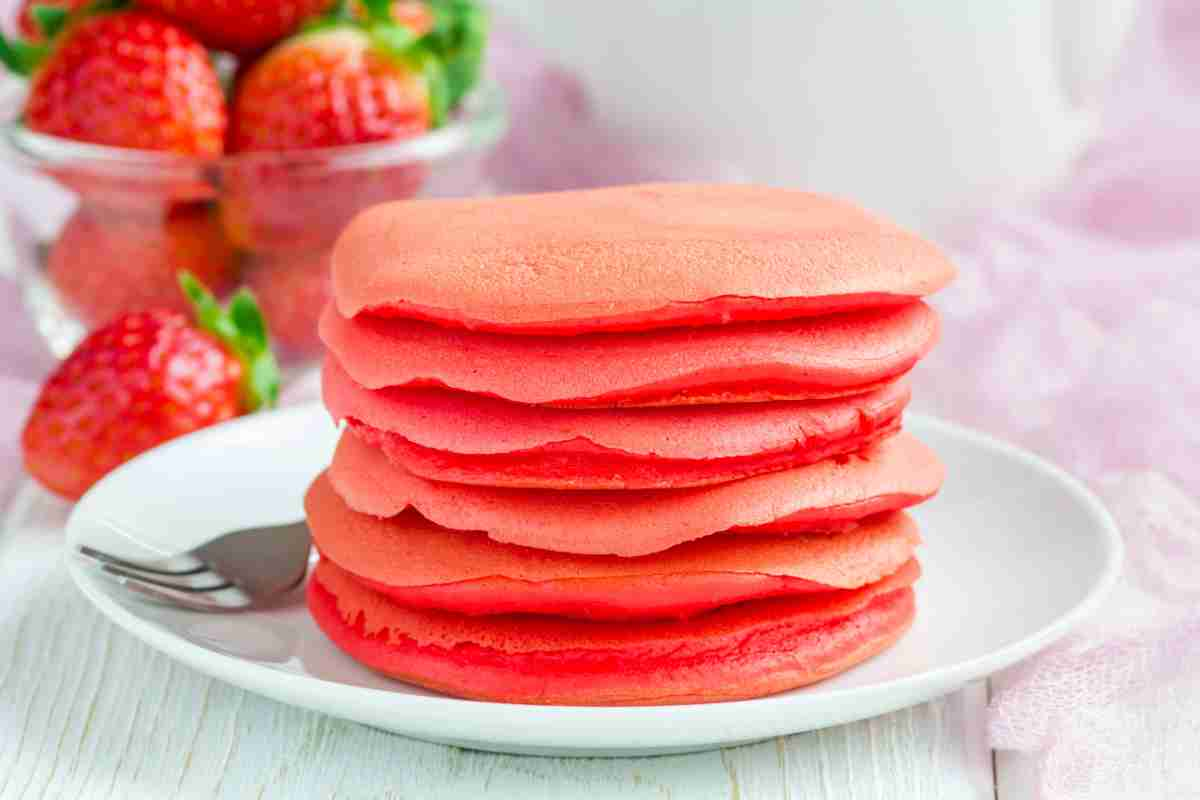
x: 292, y: 291
x: 104, y: 264
x: 147, y: 377
x: 240, y: 26
x: 328, y: 88
x: 340, y: 84
x: 124, y: 79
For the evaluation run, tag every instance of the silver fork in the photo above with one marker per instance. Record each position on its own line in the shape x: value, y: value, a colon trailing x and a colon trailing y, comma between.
x: 244, y: 569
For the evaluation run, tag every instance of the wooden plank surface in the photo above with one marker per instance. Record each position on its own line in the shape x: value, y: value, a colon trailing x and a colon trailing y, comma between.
x: 86, y: 711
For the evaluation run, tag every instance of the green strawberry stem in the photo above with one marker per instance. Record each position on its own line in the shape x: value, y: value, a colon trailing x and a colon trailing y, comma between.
x: 378, y: 11
x: 49, y: 19
x: 22, y: 57
x: 240, y: 326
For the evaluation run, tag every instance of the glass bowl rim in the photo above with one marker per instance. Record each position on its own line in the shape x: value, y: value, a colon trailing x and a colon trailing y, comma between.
x: 477, y: 124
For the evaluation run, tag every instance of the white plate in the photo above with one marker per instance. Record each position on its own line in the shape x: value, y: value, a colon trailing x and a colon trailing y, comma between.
x: 1016, y: 553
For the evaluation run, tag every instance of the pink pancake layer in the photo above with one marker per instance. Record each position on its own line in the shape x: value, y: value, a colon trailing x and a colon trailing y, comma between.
x: 628, y: 258
x: 577, y: 466
x: 464, y: 438
x: 422, y: 565
x: 828, y: 495
x: 741, y: 651
x: 805, y: 359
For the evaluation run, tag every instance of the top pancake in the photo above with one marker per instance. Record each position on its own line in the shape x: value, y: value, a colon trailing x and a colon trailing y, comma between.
x: 627, y: 258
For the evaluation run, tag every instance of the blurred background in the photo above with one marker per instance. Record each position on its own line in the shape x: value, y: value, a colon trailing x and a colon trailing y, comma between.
x: 917, y: 110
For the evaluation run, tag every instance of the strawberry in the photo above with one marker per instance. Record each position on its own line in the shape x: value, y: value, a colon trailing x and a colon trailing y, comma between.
x: 104, y: 264
x: 147, y: 377
x: 122, y: 79
x: 239, y: 26
x: 330, y: 87
x: 292, y: 291
x: 341, y: 83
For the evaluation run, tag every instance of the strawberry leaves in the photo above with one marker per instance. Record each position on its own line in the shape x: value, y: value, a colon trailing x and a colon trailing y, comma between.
x: 21, y: 57
x: 240, y: 326
x: 378, y: 11
x: 459, y: 38
x: 426, y: 62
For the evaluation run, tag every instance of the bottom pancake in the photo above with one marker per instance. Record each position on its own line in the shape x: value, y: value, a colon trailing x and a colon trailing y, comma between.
x: 737, y: 652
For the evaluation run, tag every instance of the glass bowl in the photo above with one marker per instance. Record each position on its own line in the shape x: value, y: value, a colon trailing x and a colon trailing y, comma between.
x: 97, y: 231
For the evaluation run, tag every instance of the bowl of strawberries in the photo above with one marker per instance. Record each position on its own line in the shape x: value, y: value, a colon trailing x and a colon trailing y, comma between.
x: 231, y: 139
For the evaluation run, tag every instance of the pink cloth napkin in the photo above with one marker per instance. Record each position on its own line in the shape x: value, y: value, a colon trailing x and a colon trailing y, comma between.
x: 1074, y: 330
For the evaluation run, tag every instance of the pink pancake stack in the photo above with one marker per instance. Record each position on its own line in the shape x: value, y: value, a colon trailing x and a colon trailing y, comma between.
x: 637, y: 445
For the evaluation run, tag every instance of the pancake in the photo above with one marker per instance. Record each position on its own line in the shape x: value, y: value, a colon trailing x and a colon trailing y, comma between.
x: 464, y: 438
x: 833, y: 356
x: 419, y: 564
x: 741, y: 651
x: 627, y: 258
x: 827, y: 496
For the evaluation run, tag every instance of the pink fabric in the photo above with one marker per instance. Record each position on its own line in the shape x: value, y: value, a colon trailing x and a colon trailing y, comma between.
x: 1074, y: 330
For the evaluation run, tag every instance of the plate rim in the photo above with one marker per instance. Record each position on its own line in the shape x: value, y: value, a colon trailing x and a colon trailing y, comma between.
x: 610, y: 724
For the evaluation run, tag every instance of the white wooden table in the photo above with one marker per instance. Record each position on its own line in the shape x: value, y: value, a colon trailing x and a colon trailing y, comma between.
x: 86, y: 711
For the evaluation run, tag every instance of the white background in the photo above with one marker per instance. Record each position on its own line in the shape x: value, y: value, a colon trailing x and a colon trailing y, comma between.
x: 916, y: 109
